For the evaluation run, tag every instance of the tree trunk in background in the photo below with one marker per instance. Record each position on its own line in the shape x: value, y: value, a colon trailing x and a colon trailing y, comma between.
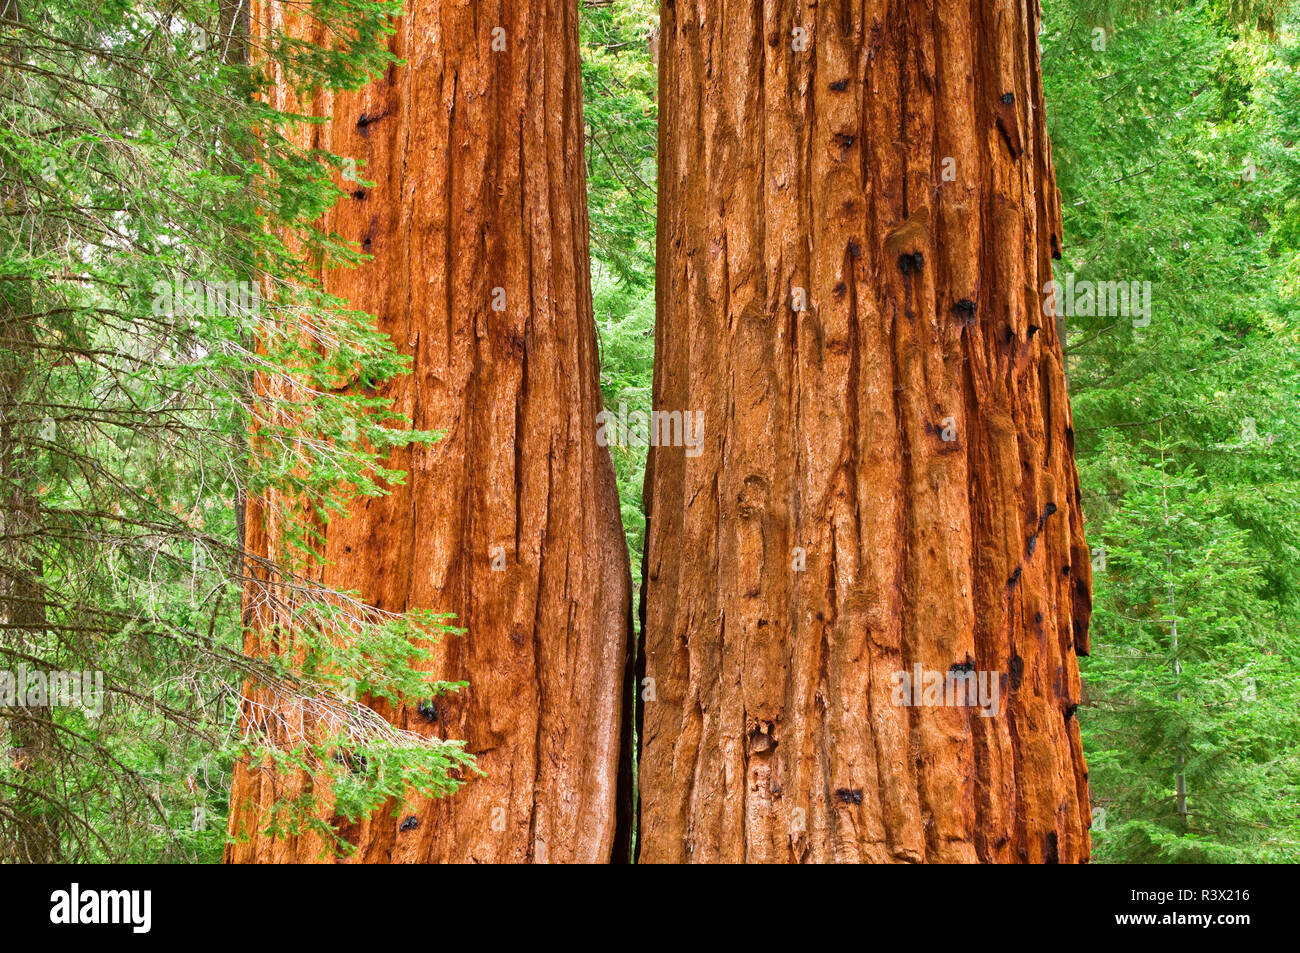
x: 853, y: 241
x: 477, y: 159
x: 29, y: 826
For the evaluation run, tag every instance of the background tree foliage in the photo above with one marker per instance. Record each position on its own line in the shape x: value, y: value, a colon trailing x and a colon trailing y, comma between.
x: 1175, y: 144
x: 155, y: 308
x: 619, y: 45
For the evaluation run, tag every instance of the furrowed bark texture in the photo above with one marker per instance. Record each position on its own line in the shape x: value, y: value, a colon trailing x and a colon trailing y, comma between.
x: 476, y: 157
x: 897, y: 175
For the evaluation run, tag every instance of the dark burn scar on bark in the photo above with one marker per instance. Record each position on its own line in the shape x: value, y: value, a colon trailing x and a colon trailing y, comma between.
x: 966, y: 309
x: 913, y: 262
x: 410, y: 824
x: 1016, y: 669
x: 849, y: 795
x: 365, y: 121
x: 1015, y: 577
x: 1049, y: 849
x: 1080, y: 636
x: 840, y: 85
x: 1008, y: 124
x: 967, y: 666
x: 428, y: 711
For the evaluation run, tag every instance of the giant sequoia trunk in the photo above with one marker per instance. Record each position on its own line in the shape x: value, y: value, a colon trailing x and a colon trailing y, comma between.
x: 857, y: 218
x: 476, y: 154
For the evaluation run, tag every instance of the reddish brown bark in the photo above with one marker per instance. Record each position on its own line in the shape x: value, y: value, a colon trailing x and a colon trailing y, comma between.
x: 770, y: 733
x: 476, y: 155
